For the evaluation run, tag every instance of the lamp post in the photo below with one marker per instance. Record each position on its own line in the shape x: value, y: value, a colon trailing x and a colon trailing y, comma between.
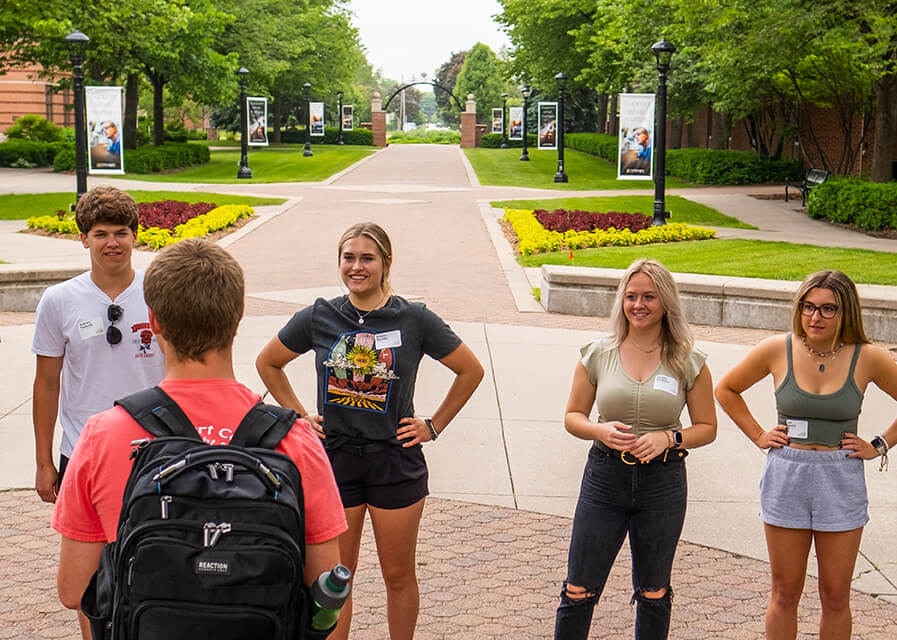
x: 663, y: 52
x: 527, y: 92
x: 77, y: 43
x: 244, y: 172
x: 306, y: 153
x: 339, y: 126
x: 504, y: 121
x: 560, y: 176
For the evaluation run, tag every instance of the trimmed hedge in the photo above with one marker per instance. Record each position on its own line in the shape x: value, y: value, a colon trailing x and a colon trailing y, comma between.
x: 356, y: 136
x: 493, y: 141
x: 65, y: 160
x: 597, y: 144
x: 171, y: 155
x: 717, y: 166
x: 870, y: 205
x: 40, y: 154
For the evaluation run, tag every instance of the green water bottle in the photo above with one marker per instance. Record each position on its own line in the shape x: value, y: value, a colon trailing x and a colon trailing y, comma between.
x: 328, y: 594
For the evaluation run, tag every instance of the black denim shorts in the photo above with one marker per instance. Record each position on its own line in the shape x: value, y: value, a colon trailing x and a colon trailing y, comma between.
x: 382, y: 475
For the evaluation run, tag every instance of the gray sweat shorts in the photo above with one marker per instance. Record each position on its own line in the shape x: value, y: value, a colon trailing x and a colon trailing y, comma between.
x: 818, y: 490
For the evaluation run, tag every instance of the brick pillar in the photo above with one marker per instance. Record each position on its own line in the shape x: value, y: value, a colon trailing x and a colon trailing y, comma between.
x: 469, y: 124
x: 378, y: 121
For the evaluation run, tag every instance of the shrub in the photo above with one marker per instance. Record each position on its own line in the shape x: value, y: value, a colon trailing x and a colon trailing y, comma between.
x: 35, y: 128
x: 533, y: 238
x: 355, y: 136
x: 869, y: 205
x: 564, y: 220
x: 429, y: 136
x: 39, y: 154
x: 65, y: 160
x: 62, y: 222
x: 171, y: 155
x: 167, y: 214
x: 715, y: 166
x: 597, y: 144
x: 175, y: 131
x: 493, y: 141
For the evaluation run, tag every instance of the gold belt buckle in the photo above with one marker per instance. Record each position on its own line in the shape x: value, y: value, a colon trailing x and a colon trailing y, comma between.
x: 623, y: 458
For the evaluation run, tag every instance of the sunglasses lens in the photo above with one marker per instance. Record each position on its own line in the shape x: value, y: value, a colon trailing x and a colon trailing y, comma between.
x: 114, y: 312
x: 113, y: 335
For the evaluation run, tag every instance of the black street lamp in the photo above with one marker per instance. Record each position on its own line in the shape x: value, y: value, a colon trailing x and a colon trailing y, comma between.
x: 527, y: 92
x: 504, y: 121
x: 77, y: 43
x: 307, y: 152
x: 663, y: 52
x: 339, y: 124
x: 244, y: 172
x: 560, y: 176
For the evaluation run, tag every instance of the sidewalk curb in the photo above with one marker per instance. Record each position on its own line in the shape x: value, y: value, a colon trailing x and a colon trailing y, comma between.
x: 468, y: 168
x: 261, y: 219
x: 351, y: 167
x: 515, y: 276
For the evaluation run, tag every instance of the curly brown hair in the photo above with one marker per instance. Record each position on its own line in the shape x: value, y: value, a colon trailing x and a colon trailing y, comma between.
x: 105, y: 205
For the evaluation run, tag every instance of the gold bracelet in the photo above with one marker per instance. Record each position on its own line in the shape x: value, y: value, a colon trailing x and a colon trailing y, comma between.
x: 670, y: 439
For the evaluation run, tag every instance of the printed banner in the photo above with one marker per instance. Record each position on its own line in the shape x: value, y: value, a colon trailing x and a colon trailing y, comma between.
x: 348, y: 117
x: 548, y: 121
x: 515, y: 123
x: 498, y: 125
x: 636, y: 136
x: 104, y: 131
x: 257, y: 116
x: 316, y: 118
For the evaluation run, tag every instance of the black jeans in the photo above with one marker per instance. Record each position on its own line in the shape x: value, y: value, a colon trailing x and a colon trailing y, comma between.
x: 647, y: 501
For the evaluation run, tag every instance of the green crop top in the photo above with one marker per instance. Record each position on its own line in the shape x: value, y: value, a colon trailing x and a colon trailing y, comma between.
x: 654, y: 404
x: 814, y: 418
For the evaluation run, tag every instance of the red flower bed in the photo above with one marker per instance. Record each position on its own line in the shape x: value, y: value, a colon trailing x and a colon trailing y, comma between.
x: 168, y: 214
x: 563, y: 220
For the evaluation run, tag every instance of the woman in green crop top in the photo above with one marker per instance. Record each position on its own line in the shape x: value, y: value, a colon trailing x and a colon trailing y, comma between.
x: 811, y: 491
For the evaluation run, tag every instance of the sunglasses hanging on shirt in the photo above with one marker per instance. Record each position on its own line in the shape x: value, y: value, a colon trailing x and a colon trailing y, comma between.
x: 113, y: 333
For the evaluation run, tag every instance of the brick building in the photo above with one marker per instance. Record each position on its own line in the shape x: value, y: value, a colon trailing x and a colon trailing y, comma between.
x: 23, y: 92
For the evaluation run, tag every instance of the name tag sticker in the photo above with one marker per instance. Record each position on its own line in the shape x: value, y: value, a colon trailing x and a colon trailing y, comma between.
x: 798, y: 428
x: 91, y: 328
x: 388, y: 340
x: 668, y: 384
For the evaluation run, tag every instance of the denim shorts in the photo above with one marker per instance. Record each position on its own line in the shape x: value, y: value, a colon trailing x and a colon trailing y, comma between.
x: 382, y: 475
x: 818, y: 490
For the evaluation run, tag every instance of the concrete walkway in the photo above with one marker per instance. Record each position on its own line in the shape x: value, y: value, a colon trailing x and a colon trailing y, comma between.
x: 505, y: 477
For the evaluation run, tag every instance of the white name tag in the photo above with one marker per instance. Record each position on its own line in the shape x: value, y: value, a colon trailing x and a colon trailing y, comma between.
x: 798, y: 428
x: 388, y: 339
x: 668, y: 384
x: 91, y: 328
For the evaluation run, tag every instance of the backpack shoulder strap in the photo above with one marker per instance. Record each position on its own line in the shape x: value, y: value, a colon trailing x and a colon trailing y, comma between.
x: 264, y: 426
x: 155, y: 411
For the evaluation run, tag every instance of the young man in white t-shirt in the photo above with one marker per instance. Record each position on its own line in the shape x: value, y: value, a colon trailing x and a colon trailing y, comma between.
x: 92, y: 336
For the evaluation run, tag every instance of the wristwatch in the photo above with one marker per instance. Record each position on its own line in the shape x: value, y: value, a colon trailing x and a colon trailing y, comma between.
x: 677, y: 438
x: 433, y: 433
x: 880, y: 445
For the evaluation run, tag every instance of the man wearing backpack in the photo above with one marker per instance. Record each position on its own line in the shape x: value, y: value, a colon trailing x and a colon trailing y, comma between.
x: 194, y: 291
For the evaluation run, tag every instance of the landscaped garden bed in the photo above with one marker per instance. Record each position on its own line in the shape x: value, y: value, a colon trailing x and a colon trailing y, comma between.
x: 583, y: 229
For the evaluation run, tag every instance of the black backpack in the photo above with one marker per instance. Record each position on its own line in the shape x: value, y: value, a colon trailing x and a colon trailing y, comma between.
x: 211, y: 538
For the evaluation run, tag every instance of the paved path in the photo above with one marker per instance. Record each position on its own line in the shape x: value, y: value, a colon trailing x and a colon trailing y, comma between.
x: 505, y: 477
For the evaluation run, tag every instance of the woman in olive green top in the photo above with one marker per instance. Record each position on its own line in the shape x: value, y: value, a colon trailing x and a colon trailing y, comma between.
x: 811, y: 491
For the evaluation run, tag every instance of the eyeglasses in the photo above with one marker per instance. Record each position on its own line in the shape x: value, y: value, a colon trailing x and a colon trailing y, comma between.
x: 113, y: 333
x: 827, y: 311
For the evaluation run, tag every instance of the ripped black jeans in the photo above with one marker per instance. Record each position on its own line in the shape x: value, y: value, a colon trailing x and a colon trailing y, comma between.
x: 647, y: 501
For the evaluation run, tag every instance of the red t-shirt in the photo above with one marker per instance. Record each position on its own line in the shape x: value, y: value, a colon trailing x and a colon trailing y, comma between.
x: 89, y: 502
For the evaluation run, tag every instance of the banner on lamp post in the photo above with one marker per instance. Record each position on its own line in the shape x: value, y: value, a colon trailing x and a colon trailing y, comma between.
x: 316, y: 118
x: 348, y: 117
x: 497, y: 121
x: 515, y: 123
x: 636, y: 136
x: 257, y: 115
x: 104, y: 130
x: 548, y: 125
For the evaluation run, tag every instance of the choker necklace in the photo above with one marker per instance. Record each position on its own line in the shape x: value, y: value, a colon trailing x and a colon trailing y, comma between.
x: 820, y: 354
x: 651, y: 350
x: 361, y: 316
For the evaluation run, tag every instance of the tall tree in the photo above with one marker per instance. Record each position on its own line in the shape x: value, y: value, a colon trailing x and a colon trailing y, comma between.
x: 481, y: 75
x: 446, y: 77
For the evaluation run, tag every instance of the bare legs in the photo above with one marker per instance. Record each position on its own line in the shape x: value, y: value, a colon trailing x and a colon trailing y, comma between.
x: 395, y: 533
x: 836, y: 554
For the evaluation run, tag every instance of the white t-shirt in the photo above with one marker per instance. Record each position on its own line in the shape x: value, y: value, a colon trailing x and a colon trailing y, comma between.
x: 71, y: 323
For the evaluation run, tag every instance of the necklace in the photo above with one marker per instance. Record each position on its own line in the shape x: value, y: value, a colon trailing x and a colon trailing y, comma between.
x: 651, y: 350
x: 362, y: 316
x: 820, y: 354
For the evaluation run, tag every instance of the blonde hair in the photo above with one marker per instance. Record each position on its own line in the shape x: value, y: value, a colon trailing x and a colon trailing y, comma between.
x: 676, y: 338
x: 375, y: 233
x: 195, y: 291
x: 850, y: 321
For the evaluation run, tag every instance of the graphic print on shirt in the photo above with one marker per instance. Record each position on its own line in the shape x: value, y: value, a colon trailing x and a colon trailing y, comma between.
x: 142, y: 336
x: 359, y: 376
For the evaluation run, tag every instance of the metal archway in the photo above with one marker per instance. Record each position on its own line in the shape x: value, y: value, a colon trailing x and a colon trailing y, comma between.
x: 411, y: 84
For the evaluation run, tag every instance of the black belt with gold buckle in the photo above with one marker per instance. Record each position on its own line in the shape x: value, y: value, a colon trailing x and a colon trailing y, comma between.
x: 669, y: 455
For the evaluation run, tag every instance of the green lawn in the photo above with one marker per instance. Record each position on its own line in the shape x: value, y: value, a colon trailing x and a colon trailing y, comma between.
x: 682, y: 209
x: 18, y: 206
x: 746, y: 258
x: 502, y: 167
x: 283, y: 163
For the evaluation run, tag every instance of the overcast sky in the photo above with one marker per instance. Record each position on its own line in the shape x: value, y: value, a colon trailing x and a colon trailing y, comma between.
x: 406, y: 37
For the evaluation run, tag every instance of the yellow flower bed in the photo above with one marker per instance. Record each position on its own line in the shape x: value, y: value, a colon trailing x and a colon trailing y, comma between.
x: 218, y: 218
x: 533, y: 238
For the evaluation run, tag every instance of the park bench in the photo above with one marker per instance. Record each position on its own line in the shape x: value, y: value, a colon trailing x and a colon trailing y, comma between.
x: 814, y: 177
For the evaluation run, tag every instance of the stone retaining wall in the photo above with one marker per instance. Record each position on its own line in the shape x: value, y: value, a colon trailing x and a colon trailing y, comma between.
x: 21, y: 289
x: 712, y: 300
